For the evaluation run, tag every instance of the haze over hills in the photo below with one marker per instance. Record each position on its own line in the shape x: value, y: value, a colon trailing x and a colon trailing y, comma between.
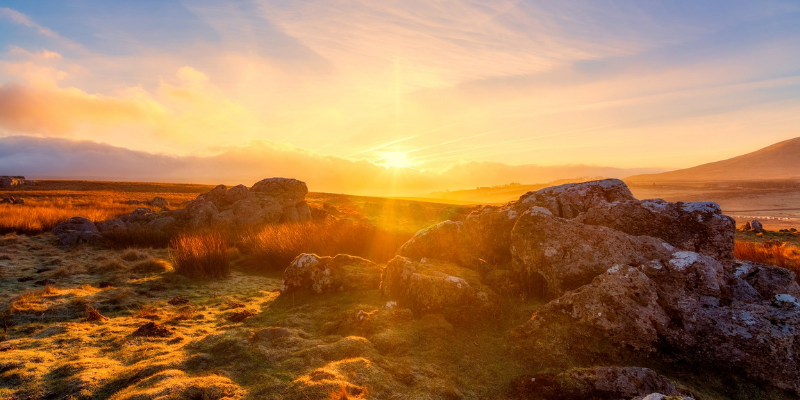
x: 780, y: 161
x: 58, y: 158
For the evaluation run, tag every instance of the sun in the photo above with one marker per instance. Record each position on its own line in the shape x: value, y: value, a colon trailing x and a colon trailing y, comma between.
x: 395, y: 159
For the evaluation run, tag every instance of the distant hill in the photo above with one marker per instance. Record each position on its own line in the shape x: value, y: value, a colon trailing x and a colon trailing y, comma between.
x: 781, y: 161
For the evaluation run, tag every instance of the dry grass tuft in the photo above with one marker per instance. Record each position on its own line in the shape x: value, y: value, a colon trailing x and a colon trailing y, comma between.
x: 69, y: 270
x: 93, y: 315
x: 133, y: 255
x: 112, y: 265
x: 200, y: 255
x: 275, y: 246
x: 771, y: 252
x: 150, y: 266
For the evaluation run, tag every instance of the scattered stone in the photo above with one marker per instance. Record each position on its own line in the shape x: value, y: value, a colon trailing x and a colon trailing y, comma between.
x: 152, y: 329
x: 757, y: 226
x: 241, y: 315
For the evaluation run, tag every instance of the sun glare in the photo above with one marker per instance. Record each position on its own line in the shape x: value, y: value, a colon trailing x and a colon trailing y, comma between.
x: 395, y: 159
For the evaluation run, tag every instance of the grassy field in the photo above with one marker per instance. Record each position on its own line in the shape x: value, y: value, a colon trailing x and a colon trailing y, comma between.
x: 121, y: 322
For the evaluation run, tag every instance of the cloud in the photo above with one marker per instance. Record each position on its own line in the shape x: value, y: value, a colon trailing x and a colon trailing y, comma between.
x: 40, y: 158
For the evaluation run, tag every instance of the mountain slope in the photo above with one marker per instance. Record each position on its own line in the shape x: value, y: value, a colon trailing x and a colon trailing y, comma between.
x: 778, y: 161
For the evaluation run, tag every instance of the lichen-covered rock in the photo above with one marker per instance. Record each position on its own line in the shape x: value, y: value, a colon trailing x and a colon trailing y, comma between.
x: 700, y: 227
x: 287, y: 192
x: 436, y: 287
x: 757, y: 226
x: 76, y: 230
x: 568, y: 254
x: 489, y: 231
x: 216, y: 195
x: 573, y: 199
x: 445, y: 241
x: 200, y: 211
x: 593, y: 383
x: 140, y: 216
x: 253, y: 211
x: 692, y: 308
x: 330, y: 274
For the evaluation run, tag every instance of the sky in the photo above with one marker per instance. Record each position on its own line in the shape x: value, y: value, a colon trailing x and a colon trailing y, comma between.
x: 432, y: 88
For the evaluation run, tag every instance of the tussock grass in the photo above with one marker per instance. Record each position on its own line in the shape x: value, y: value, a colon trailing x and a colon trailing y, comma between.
x: 150, y: 266
x: 275, y: 246
x: 200, y: 255
x: 771, y: 252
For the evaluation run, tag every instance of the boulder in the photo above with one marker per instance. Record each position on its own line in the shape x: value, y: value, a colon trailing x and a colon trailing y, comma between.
x: 76, y: 230
x: 593, y: 383
x: 436, y: 287
x: 573, y: 199
x: 568, y: 254
x: 11, y: 181
x: 200, y: 211
x: 700, y: 227
x: 216, y: 195
x: 159, y: 202
x: 140, y: 216
x: 253, y: 211
x: 330, y: 274
x: 160, y: 223
x: 236, y: 193
x: 757, y: 226
x: 489, y: 231
x: 445, y: 241
x: 287, y: 192
x: 691, y: 308
x: 111, y: 225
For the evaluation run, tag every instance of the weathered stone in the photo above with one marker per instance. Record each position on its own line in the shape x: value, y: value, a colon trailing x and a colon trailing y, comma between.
x: 697, y: 309
x: 159, y: 202
x: 573, y: 199
x: 330, y: 274
x: 236, y: 193
x: 568, y: 254
x: 76, y: 230
x: 111, y: 225
x: 436, y: 287
x: 287, y: 192
x: 160, y: 223
x: 216, y: 195
x: 757, y: 226
x: 445, y: 241
x: 253, y: 211
x: 700, y: 227
x: 489, y: 230
x: 141, y: 216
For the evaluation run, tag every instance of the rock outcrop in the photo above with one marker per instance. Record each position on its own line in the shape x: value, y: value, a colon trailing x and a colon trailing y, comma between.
x: 330, y: 274
x: 7, y: 182
x: 76, y: 230
x: 272, y: 200
x: 649, y: 276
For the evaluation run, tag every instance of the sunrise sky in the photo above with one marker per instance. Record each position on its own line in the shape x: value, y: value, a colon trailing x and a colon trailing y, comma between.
x: 425, y: 86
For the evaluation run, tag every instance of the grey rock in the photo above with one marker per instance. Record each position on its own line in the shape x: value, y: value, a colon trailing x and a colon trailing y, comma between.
x: 111, y: 225
x: 286, y: 191
x: 76, y: 230
x: 160, y: 223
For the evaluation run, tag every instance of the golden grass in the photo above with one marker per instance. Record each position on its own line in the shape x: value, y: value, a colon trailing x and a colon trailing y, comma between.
x: 771, y: 252
x: 202, y: 254
x: 275, y: 246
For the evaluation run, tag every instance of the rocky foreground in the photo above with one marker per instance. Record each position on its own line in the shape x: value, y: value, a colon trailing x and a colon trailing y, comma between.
x: 624, y: 279
x: 574, y: 291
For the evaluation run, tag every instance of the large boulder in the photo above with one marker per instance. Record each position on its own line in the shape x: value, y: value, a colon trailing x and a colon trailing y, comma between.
x: 445, y: 241
x: 236, y: 193
x: 700, y: 227
x: 76, y: 230
x: 568, y: 254
x: 286, y: 191
x: 111, y: 225
x: 593, y: 383
x: 436, y: 287
x: 254, y: 210
x: 573, y: 199
x: 330, y: 274
x: 691, y: 308
x: 489, y: 231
